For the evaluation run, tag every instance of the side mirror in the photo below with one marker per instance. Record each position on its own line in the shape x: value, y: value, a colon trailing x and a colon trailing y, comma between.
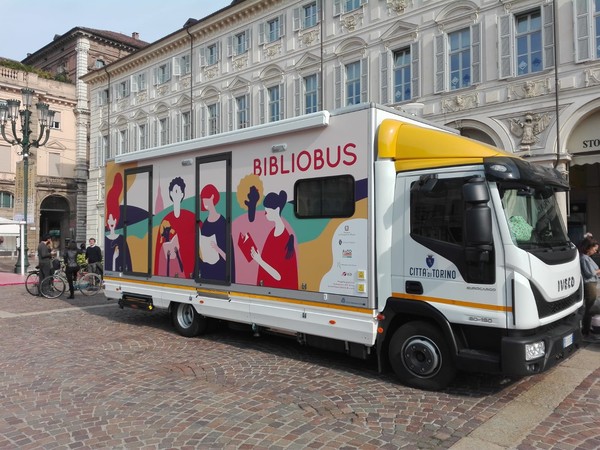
x: 478, y: 216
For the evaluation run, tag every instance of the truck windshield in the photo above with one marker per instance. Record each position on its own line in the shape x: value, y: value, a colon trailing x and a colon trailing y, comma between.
x: 533, y: 217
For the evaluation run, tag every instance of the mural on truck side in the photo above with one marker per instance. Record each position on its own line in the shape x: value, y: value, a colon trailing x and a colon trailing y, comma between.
x: 226, y: 224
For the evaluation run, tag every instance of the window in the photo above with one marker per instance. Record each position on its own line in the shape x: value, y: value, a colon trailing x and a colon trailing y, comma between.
x: 123, y: 142
x: 324, y: 197
x: 142, y: 136
x: 239, y: 43
x: 163, y: 131
x: 311, y: 94
x: 122, y: 89
x: 138, y: 82
x: 306, y: 16
x: 242, y: 112
x: 272, y: 30
x: 103, y: 97
x: 353, y: 83
x: 7, y: 200
x: 56, y: 122
x: 346, y: 6
x: 526, y: 42
x: 529, y: 43
x: 213, y: 119
x: 458, y: 59
x: 275, y: 109
x: 186, y: 125
x: 162, y: 74
x: 211, y: 55
x: 102, y: 150
x: 99, y: 64
x: 402, y: 75
x: 182, y: 65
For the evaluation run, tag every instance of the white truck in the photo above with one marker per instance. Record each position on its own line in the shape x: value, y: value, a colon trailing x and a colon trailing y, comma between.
x: 361, y: 230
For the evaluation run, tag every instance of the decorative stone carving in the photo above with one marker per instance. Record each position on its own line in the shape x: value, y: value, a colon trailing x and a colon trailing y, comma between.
x: 240, y: 63
x: 211, y: 72
x: 529, y: 128
x: 460, y: 102
x: 162, y: 90
x: 272, y: 51
x: 398, y: 6
x: 351, y: 21
x: 307, y: 38
x: 186, y: 82
x: 141, y: 97
x: 528, y: 89
x: 592, y: 77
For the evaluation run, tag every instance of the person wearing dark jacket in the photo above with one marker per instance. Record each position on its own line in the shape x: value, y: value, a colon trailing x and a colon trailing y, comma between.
x: 93, y: 254
x: 71, y: 266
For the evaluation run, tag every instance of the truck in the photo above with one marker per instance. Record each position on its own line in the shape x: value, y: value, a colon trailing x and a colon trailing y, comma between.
x: 361, y: 230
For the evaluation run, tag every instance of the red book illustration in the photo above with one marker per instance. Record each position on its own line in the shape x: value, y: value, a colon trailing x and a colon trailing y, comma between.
x: 246, y: 244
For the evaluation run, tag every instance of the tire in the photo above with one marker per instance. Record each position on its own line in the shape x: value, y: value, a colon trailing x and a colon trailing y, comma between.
x: 90, y: 284
x: 420, y: 357
x: 32, y: 283
x: 53, y: 286
x: 187, y: 321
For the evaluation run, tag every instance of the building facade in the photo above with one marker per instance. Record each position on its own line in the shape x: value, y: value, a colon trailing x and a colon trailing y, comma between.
x: 68, y: 57
x: 489, y: 69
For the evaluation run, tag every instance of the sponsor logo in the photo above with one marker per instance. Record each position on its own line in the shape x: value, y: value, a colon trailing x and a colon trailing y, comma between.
x: 347, y: 253
x: 566, y: 283
x: 430, y: 272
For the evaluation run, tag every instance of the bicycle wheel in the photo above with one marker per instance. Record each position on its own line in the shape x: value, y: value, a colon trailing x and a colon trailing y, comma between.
x: 90, y: 283
x: 53, y: 286
x: 32, y: 283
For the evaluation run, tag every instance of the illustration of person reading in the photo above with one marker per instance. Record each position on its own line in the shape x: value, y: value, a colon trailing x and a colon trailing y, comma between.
x: 277, y: 261
x: 116, y: 253
x: 213, y: 237
x: 174, y: 255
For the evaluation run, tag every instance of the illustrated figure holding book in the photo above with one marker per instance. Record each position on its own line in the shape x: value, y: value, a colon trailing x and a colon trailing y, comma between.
x: 277, y: 260
x: 174, y: 256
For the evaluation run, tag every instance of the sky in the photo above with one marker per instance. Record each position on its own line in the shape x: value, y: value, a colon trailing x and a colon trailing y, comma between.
x: 28, y: 25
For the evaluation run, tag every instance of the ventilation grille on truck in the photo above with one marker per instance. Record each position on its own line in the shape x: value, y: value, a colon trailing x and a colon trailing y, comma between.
x: 546, y: 309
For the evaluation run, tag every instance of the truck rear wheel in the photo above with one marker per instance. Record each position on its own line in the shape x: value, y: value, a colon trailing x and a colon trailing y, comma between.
x: 187, y: 321
x: 420, y: 356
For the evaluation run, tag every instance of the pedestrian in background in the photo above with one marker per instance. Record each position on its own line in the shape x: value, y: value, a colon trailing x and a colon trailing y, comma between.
x: 93, y: 255
x: 71, y: 266
x: 589, y: 272
x: 44, y: 256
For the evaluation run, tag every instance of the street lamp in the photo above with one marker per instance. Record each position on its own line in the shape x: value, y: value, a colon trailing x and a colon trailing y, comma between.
x: 9, y: 111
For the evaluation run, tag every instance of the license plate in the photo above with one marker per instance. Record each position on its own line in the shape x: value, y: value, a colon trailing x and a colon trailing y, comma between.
x: 568, y: 340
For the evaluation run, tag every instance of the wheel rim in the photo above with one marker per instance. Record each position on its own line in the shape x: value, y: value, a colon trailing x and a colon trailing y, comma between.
x: 421, y: 357
x: 185, y: 315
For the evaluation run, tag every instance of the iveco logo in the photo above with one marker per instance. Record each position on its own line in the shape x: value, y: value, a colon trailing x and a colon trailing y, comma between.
x: 566, y: 283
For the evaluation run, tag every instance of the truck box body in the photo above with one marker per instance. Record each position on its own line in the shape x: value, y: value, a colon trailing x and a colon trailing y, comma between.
x: 360, y: 229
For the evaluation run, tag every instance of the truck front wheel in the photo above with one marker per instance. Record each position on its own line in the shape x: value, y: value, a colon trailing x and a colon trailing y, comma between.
x: 187, y: 321
x: 420, y: 357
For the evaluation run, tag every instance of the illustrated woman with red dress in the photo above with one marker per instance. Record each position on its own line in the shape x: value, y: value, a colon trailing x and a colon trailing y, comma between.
x: 277, y: 262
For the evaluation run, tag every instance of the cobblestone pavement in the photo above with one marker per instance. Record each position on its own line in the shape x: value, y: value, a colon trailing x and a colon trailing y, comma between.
x: 83, y: 373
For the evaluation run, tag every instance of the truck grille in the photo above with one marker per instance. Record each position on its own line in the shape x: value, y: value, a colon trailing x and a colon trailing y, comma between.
x: 546, y: 309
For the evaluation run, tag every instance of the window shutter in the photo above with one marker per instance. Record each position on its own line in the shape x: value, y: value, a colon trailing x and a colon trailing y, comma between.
x: 548, y: 35
x: 134, y: 83
x: 297, y: 24
x: 384, y: 58
x: 155, y: 75
x: 440, y: 63
x: 176, y: 66
x: 282, y: 25
x: 319, y: 83
x: 248, y: 110
x: 505, y: 39
x: 298, y: 96
x: 337, y: 7
x: 230, y: 113
x: 178, y: 125
x: 218, y: 124
x: 168, y: 72
x: 229, y: 46
x: 218, y: 51
x: 155, y: 132
x: 248, y: 36
x: 415, y: 72
x: 203, y: 121
x: 338, y: 86
x: 202, y: 54
x: 476, y: 53
x: 261, y: 105
x: 282, y: 102
x: 583, y: 51
x: 261, y: 33
x: 364, y: 80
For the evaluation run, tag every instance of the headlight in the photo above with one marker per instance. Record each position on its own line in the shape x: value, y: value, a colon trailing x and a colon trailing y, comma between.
x: 535, y: 350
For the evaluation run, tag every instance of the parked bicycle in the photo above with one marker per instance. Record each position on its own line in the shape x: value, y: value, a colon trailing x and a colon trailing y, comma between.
x: 32, y: 282
x: 88, y: 283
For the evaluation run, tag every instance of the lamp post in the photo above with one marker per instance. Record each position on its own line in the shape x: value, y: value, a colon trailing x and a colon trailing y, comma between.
x: 10, y: 111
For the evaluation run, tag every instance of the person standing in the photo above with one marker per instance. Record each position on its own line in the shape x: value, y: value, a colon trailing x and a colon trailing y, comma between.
x: 93, y: 255
x: 589, y: 272
x: 71, y: 266
x: 44, y: 256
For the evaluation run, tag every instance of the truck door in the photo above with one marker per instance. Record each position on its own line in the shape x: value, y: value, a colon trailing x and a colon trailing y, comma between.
x: 213, y: 214
x: 446, y: 230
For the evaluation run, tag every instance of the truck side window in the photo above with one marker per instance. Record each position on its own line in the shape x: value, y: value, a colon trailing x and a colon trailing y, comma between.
x: 324, y: 197
x: 439, y: 213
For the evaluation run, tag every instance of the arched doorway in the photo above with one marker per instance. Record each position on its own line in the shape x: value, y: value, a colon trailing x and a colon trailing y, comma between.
x: 55, y: 215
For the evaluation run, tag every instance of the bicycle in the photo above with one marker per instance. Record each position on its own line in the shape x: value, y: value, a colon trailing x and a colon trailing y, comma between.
x: 32, y: 282
x: 88, y: 283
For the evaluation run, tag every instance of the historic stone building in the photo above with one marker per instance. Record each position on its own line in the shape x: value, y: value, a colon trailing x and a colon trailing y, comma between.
x: 59, y: 170
x: 488, y: 68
